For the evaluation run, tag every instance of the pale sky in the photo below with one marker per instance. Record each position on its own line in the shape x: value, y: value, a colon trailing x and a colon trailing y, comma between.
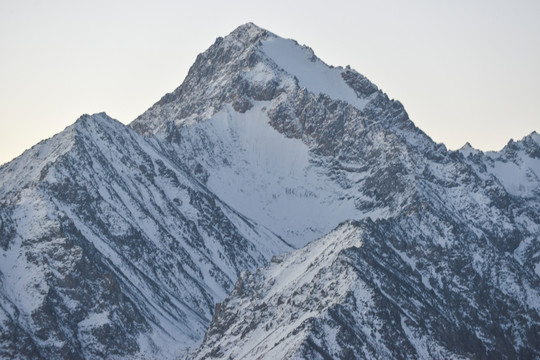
x: 464, y: 70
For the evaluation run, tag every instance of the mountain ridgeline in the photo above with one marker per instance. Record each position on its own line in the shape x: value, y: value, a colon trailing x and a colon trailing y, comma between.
x: 271, y: 207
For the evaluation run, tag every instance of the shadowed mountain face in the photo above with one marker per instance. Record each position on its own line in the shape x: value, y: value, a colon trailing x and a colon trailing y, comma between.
x: 120, y: 240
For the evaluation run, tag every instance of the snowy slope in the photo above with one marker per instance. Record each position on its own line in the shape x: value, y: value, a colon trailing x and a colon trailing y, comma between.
x: 311, y: 72
x: 269, y: 178
x: 516, y: 166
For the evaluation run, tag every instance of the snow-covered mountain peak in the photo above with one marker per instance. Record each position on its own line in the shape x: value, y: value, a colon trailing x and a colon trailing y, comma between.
x: 32, y: 165
x: 531, y: 144
x: 253, y: 64
x: 535, y: 136
x: 468, y: 149
x: 87, y: 126
x: 248, y: 33
x: 251, y: 96
x: 29, y: 167
x: 100, y: 117
x: 518, y: 151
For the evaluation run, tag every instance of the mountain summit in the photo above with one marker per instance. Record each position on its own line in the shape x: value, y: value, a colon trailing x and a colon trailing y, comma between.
x: 272, y: 206
x: 321, y: 118
x: 252, y: 63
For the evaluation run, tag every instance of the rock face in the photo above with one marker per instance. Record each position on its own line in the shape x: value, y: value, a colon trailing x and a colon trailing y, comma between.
x: 120, y: 240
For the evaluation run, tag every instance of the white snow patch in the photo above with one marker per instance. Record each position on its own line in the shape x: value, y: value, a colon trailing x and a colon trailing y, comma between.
x: 311, y: 72
x: 272, y: 179
x: 95, y: 320
x: 520, y: 177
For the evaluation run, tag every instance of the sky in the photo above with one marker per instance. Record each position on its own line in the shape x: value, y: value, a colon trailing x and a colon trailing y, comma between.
x: 464, y: 70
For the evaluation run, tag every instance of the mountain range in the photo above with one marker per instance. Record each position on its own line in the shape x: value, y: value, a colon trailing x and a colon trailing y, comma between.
x: 271, y: 207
